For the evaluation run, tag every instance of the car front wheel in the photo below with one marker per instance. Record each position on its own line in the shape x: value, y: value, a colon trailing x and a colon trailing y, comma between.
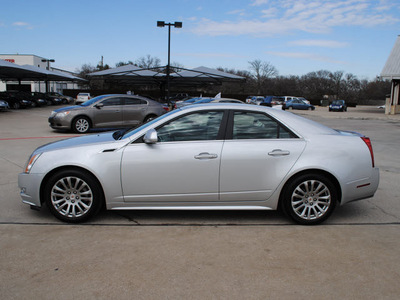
x: 73, y: 196
x: 149, y: 118
x: 309, y: 199
x: 81, y: 125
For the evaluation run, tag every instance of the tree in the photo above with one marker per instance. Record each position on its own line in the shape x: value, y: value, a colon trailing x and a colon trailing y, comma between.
x: 176, y: 67
x: 148, y: 62
x: 86, y: 69
x: 122, y: 63
x: 262, y: 70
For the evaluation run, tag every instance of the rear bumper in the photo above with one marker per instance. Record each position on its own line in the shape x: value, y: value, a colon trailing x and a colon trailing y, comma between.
x: 361, y: 189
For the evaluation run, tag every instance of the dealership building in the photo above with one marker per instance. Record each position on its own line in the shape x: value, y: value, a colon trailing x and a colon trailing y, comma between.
x: 34, y: 86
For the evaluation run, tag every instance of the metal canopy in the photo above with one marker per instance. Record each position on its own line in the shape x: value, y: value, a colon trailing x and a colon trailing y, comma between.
x: 132, y: 74
x: 127, y: 72
x: 206, y: 74
x: 10, y: 71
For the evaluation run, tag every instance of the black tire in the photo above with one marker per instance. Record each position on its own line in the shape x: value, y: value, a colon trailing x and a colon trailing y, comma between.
x: 149, y: 118
x: 309, y: 199
x: 73, y: 196
x: 81, y: 125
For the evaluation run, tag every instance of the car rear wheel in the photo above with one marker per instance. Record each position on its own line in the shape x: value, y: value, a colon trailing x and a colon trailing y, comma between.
x: 73, y: 196
x: 81, y: 125
x: 309, y: 199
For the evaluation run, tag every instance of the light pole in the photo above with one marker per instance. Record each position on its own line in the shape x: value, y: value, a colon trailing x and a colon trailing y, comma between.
x: 47, y: 68
x: 176, y: 25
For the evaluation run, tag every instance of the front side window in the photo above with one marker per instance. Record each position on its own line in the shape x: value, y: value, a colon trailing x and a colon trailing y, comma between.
x: 112, y: 102
x: 198, y: 126
x: 250, y: 125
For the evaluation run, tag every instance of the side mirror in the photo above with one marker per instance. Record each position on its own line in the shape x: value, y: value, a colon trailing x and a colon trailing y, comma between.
x: 99, y: 105
x: 151, y: 137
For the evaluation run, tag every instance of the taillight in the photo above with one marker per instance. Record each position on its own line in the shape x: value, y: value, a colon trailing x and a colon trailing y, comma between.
x: 367, y: 141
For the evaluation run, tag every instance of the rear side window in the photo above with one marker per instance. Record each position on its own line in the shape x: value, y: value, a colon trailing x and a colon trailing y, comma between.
x: 250, y: 125
x: 134, y: 101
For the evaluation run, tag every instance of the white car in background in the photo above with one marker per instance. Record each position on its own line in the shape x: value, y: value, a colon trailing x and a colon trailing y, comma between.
x: 82, y: 97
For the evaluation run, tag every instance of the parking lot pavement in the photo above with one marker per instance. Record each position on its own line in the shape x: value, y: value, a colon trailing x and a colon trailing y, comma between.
x: 177, y: 254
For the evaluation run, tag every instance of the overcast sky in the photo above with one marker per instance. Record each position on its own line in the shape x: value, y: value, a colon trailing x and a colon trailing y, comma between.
x: 296, y: 36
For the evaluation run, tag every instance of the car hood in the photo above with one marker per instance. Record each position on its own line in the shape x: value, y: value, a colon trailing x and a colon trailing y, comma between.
x: 92, y: 139
x: 74, y: 107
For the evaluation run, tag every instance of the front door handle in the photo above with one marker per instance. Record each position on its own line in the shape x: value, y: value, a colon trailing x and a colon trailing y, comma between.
x: 206, y: 155
x: 278, y: 152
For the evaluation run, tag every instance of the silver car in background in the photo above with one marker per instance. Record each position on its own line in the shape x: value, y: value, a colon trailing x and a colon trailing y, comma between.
x: 209, y: 156
x: 106, y: 111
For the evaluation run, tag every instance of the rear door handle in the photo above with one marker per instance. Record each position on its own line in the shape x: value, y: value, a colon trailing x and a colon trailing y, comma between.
x: 278, y: 152
x: 206, y: 155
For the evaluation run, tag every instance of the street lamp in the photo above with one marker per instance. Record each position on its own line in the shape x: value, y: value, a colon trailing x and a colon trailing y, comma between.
x: 176, y: 25
x: 47, y: 68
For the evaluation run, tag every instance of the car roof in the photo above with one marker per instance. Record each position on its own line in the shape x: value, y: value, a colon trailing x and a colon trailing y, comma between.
x: 302, y: 126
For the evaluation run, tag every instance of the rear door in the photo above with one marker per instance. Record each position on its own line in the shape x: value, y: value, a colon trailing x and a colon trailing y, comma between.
x: 256, y: 158
x: 134, y: 111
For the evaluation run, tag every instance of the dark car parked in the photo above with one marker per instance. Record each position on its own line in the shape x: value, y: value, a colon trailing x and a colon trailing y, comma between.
x: 272, y: 101
x: 3, y: 105
x: 15, y: 100
x: 64, y: 99
x: 51, y: 100
x: 37, y: 100
x: 338, y: 105
x: 297, y: 104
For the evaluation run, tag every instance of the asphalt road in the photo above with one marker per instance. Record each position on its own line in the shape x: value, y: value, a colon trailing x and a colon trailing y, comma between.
x: 201, y: 255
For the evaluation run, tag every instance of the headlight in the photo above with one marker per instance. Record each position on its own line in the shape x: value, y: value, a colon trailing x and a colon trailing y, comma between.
x: 63, y: 114
x: 31, y: 162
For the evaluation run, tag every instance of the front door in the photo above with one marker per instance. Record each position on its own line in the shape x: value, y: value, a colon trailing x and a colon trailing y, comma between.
x: 110, y: 114
x: 183, y: 167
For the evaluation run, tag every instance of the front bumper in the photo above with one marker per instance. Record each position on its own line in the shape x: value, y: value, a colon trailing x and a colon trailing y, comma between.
x: 57, y: 123
x: 29, y: 185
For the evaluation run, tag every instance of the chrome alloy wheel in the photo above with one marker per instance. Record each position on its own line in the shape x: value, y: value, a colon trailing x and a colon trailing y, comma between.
x: 82, y: 125
x: 311, y: 200
x: 71, y: 197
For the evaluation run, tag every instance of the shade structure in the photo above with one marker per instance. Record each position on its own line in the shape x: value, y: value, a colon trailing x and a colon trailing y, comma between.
x: 191, y: 77
x: 127, y: 73
x: 204, y: 74
x: 10, y: 71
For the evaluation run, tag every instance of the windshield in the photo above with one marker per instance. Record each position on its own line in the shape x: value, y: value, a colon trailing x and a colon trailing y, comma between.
x: 338, y: 102
x: 204, y: 100
x: 137, y: 129
x: 93, y: 100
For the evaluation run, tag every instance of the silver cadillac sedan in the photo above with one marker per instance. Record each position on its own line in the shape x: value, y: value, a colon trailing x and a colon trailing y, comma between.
x: 209, y: 157
x: 106, y: 111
